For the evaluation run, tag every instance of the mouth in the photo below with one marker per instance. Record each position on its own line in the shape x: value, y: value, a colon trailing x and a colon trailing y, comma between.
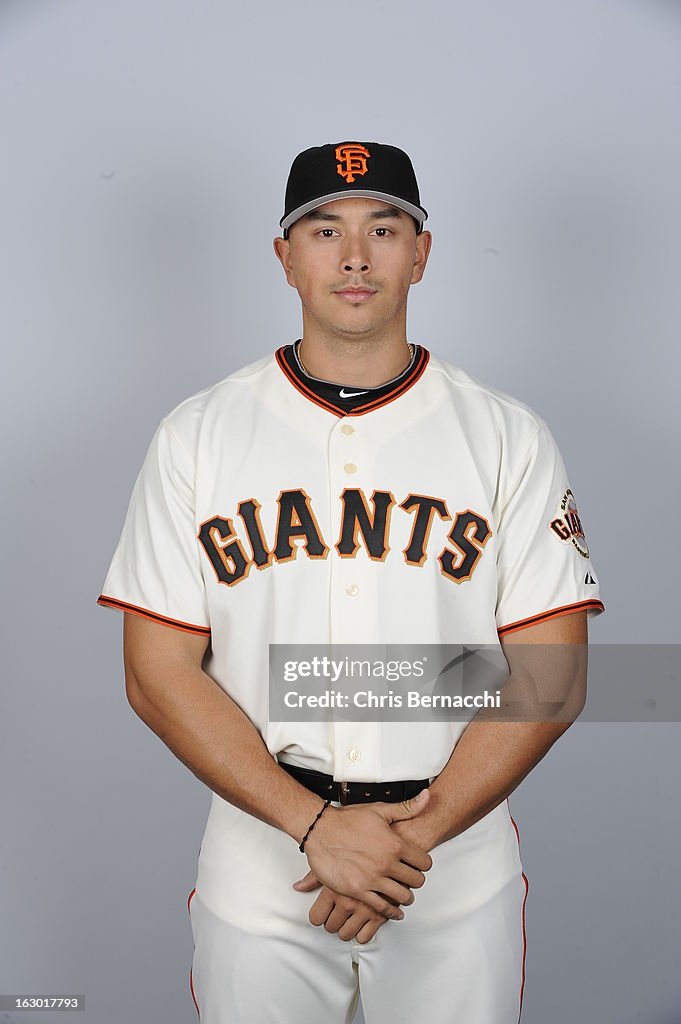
x: 356, y: 294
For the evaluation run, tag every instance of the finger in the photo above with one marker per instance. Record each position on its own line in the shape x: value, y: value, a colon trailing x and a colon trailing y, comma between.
x: 360, y: 921
x: 368, y: 930
x: 377, y: 901
x: 407, y: 875
x: 405, y: 808
x: 416, y: 857
x: 322, y: 907
x: 342, y: 910
x: 307, y: 883
x: 392, y: 890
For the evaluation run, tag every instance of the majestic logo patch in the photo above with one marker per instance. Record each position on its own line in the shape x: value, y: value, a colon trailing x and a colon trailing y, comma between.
x: 352, y: 159
x: 567, y: 525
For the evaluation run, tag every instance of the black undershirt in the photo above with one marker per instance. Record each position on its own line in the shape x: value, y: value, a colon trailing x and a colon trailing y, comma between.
x: 347, y: 397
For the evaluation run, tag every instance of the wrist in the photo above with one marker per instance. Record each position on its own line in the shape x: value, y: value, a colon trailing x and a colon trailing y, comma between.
x: 318, y: 826
x: 300, y: 814
x: 302, y: 846
x: 418, y: 831
x: 305, y: 813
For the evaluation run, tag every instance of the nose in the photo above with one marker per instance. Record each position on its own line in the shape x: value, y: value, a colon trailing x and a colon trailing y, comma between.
x: 355, y: 257
x: 355, y: 265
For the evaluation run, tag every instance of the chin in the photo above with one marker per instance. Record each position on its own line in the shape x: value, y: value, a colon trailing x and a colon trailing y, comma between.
x: 359, y: 320
x: 355, y: 330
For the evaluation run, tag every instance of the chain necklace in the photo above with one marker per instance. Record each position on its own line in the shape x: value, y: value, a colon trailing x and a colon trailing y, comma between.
x: 305, y: 369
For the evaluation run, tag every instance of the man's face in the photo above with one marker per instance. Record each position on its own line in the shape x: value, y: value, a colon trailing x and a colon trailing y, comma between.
x: 352, y: 262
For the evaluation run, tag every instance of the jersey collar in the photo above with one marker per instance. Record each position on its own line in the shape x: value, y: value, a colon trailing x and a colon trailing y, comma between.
x: 328, y: 396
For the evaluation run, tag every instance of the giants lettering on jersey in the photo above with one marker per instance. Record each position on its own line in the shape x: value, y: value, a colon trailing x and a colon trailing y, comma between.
x: 296, y: 521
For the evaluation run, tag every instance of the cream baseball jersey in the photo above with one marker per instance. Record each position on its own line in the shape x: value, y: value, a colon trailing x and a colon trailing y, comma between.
x: 438, y: 512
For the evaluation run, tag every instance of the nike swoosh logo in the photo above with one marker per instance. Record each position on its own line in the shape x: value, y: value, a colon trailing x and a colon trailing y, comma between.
x: 351, y: 394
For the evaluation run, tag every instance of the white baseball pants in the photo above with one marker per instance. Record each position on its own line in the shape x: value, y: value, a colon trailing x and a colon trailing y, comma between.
x: 458, y: 957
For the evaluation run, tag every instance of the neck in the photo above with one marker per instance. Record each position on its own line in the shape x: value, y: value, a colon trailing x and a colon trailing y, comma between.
x: 360, y: 361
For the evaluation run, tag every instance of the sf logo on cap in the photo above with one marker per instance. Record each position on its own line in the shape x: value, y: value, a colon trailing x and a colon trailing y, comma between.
x: 352, y: 160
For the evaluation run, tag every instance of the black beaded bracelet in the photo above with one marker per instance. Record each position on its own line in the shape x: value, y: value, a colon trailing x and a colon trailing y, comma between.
x: 313, y: 825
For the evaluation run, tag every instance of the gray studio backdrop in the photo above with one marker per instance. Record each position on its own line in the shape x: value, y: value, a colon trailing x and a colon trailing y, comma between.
x: 145, y: 147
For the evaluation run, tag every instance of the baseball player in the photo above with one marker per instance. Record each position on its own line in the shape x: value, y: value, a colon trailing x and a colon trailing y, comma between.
x: 349, y: 488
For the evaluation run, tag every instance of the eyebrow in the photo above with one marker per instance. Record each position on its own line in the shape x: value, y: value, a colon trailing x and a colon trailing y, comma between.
x: 390, y: 213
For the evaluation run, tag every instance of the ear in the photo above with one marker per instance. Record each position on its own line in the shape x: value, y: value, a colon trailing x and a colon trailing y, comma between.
x: 423, y: 244
x: 282, y: 248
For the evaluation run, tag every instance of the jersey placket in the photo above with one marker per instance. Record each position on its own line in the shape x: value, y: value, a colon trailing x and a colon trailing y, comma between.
x: 352, y: 611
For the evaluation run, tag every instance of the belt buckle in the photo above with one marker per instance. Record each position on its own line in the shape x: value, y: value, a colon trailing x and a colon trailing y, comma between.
x: 343, y: 793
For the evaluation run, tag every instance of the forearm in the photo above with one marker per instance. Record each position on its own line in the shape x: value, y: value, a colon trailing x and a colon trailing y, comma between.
x: 490, y: 760
x: 500, y: 747
x: 213, y: 737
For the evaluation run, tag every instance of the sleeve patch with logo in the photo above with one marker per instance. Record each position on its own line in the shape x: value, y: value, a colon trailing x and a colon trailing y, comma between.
x: 567, y: 525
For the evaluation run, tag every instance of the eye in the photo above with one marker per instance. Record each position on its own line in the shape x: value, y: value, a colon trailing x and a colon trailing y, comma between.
x: 386, y: 230
x: 326, y: 232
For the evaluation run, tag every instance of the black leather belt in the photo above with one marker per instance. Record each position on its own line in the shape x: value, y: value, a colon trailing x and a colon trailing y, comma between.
x: 355, y: 792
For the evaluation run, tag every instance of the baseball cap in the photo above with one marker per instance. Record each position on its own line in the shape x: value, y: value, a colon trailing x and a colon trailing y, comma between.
x: 369, y: 170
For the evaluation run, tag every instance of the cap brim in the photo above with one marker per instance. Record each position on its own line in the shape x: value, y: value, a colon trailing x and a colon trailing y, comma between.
x: 357, y: 193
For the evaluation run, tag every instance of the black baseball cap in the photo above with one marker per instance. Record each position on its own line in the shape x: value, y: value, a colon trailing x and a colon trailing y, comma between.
x: 368, y: 170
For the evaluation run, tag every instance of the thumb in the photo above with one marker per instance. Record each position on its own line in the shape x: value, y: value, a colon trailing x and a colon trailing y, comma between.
x: 406, y: 808
x: 307, y: 883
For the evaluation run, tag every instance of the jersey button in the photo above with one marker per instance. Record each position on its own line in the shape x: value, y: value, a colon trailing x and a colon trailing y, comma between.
x: 354, y: 754
x: 352, y: 590
x: 347, y: 428
x: 350, y: 467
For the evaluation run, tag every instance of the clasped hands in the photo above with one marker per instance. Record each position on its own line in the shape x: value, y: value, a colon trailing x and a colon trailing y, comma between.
x: 365, y: 862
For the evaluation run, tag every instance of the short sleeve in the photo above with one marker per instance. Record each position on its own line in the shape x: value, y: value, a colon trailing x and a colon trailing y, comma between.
x: 156, y: 569
x: 544, y: 566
